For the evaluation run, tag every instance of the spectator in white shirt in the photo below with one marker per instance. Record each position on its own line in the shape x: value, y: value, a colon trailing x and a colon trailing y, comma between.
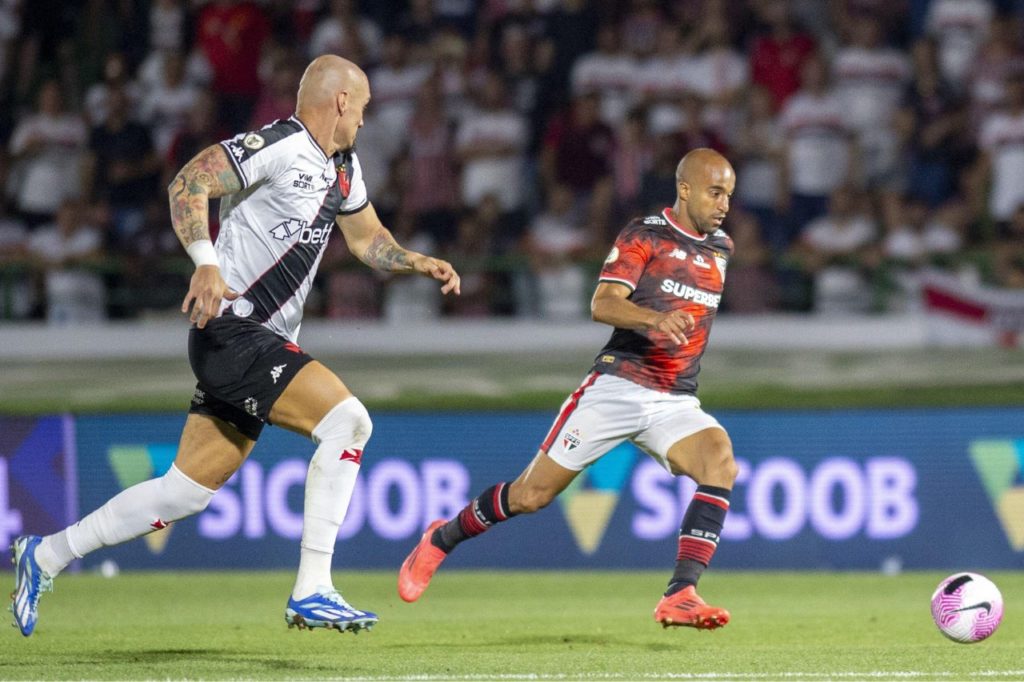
x: 73, y: 293
x: 555, y: 244
x: 870, y: 79
x: 609, y: 71
x: 396, y: 83
x: 115, y: 77
x: 47, y: 150
x: 960, y: 27
x: 1001, y: 142
x: 166, y: 105
x: 839, y: 250
x: 491, y: 142
x: 819, y: 148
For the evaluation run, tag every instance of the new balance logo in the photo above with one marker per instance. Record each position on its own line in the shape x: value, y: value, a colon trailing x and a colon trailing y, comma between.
x: 275, y: 373
x: 678, y: 253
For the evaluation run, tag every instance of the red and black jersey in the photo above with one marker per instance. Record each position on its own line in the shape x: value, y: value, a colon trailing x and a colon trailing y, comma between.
x: 667, y: 267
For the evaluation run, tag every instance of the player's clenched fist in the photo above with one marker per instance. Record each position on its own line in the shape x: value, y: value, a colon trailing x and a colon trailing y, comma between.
x: 674, y: 324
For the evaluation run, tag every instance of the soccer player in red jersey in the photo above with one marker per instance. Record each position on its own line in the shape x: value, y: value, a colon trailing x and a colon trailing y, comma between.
x: 659, y: 288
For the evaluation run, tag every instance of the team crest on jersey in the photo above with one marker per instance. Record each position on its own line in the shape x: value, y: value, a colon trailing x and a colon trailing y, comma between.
x: 571, y: 439
x: 613, y: 256
x: 344, y: 184
x: 720, y: 262
x: 253, y: 141
x: 251, y: 406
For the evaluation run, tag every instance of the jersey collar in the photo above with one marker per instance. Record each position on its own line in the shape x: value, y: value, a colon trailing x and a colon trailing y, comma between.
x: 312, y: 139
x: 667, y: 213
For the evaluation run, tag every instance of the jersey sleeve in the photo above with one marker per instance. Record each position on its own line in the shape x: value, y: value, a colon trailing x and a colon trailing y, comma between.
x: 258, y: 155
x: 627, y: 259
x: 357, y: 198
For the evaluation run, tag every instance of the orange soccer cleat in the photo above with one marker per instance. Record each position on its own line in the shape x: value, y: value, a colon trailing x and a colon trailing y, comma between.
x: 686, y: 608
x: 418, y: 568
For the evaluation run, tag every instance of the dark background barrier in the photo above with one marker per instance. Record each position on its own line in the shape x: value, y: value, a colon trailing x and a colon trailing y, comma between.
x: 868, y: 489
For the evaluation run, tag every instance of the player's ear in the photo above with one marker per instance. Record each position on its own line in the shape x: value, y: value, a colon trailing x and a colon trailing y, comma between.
x: 341, y: 102
x: 683, y: 188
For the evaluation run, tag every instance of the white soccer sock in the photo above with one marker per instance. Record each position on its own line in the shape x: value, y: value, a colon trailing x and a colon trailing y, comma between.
x: 340, y: 437
x: 133, y: 512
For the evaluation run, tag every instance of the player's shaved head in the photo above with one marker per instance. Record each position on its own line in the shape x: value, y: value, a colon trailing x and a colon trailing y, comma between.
x: 699, y: 163
x: 705, y: 181
x: 325, y: 77
x: 333, y: 95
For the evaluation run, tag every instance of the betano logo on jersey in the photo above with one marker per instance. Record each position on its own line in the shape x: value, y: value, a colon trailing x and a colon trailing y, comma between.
x: 590, y: 500
x: 134, y: 464
x: 1000, y: 465
x: 307, y: 234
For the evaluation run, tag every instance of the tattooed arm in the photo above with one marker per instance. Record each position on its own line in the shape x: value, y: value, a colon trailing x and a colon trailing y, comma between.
x: 209, y: 174
x: 372, y: 243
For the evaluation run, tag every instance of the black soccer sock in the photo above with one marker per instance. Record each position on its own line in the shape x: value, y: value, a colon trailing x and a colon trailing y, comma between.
x: 699, y: 535
x: 489, y: 508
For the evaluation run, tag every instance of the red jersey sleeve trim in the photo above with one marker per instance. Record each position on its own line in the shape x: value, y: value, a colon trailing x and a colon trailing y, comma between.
x: 616, y: 280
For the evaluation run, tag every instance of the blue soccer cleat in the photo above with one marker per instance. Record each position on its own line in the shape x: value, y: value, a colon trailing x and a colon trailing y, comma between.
x: 30, y: 581
x: 326, y: 608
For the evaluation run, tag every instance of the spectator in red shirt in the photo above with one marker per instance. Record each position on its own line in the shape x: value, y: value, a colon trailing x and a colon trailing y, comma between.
x: 231, y: 34
x: 777, y: 57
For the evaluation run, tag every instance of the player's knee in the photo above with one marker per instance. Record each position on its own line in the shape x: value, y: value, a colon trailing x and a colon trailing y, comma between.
x: 348, y: 422
x: 182, y: 496
x: 721, y: 468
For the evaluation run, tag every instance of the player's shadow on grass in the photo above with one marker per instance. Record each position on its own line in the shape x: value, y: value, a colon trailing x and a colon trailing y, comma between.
x: 207, y: 656
x: 569, y: 642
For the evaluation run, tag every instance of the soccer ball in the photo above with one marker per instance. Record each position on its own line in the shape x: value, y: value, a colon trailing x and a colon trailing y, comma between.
x: 967, y: 607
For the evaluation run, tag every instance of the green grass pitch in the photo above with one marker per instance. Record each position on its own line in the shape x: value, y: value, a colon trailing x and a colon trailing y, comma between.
x: 508, y: 626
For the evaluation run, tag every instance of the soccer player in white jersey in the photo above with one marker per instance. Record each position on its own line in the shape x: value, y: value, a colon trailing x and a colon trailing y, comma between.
x: 283, y: 187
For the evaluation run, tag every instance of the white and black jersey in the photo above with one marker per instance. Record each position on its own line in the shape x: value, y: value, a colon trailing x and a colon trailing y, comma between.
x: 274, y: 231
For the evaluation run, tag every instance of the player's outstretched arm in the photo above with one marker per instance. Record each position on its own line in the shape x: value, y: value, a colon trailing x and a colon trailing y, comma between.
x: 208, y: 174
x: 611, y: 305
x: 372, y: 243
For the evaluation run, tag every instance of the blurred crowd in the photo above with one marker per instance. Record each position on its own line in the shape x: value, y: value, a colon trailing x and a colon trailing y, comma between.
x: 873, y: 140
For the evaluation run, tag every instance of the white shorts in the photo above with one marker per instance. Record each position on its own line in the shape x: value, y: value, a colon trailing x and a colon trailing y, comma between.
x: 606, y: 410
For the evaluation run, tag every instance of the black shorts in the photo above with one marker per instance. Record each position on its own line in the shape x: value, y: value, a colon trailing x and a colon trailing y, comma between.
x: 242, y: 368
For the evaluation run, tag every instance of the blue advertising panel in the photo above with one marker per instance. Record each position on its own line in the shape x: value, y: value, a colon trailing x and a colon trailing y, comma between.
x: 37, y: 476
x: 861, y: 489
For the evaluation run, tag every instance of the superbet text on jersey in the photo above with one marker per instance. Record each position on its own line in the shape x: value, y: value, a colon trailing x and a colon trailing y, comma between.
x: 667, y: 267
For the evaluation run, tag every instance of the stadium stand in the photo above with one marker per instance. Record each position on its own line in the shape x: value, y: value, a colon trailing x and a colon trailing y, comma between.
x: 874, y: 141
